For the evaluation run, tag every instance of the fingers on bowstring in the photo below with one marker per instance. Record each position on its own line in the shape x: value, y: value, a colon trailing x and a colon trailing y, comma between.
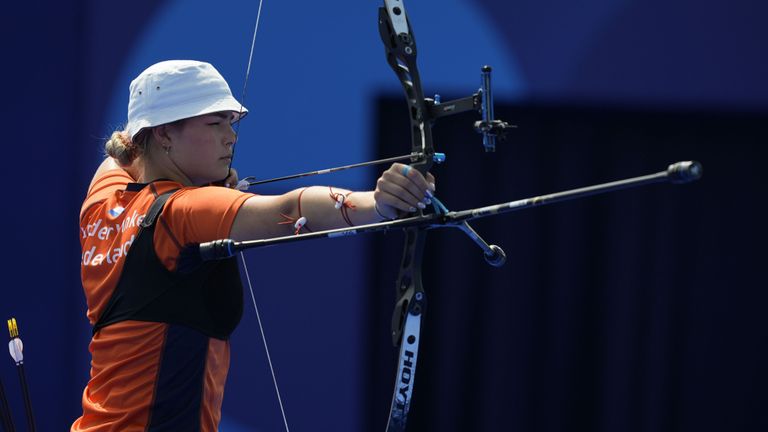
x: 232, y: 179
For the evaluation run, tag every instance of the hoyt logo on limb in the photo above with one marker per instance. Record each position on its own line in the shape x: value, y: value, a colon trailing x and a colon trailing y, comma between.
x: 404, y: 390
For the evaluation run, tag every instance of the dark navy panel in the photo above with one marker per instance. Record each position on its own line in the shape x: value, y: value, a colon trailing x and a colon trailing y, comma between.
x: 179, y: 392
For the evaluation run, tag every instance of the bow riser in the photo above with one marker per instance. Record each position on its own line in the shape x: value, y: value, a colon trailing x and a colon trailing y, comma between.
x: 401, y: 55
x: 400, y: 48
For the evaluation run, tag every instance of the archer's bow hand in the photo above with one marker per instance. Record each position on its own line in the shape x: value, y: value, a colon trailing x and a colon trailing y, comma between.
x: 402, y: 191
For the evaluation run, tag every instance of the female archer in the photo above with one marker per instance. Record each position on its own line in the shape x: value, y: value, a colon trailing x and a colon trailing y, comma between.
x: 160, y: 350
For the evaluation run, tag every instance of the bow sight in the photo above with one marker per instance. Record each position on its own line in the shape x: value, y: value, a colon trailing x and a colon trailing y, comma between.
x: 481, y: 101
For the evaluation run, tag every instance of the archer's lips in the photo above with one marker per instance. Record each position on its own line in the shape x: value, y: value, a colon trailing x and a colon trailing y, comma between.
x: 227, y: 158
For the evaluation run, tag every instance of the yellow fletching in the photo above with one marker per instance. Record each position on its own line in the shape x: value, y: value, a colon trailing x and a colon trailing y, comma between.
x: 12, y: 328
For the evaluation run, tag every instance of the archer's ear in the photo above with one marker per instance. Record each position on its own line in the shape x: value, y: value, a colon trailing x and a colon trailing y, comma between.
x: 160, y: 135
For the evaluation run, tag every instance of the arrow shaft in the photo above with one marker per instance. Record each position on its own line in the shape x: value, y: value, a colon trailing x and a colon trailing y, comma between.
x: 330, y: 170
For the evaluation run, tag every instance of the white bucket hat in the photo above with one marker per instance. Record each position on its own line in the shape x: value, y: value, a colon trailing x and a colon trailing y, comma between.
x: 178, y: 89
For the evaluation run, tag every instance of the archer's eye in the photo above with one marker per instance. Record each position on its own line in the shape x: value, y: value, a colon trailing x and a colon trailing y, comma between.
x: 214, y: 123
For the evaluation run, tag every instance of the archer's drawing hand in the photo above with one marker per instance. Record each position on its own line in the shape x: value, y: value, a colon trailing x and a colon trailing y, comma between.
x: 232, y: 179
x: 402, y: 190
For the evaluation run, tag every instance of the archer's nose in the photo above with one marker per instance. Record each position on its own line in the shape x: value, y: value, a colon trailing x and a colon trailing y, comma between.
x: 231, y: 137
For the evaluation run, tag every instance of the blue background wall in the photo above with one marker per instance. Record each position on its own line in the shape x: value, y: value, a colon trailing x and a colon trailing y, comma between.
x: 317, y: 72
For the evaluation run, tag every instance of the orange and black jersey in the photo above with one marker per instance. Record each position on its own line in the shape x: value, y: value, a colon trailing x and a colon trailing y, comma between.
x: 152, y: 371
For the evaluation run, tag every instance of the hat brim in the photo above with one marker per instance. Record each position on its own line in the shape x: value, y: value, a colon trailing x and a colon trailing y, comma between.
x: 172, y: 114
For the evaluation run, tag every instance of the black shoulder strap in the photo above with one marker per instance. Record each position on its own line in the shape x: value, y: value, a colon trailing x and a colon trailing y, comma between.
x: 115, y: 310
x: 156, y: 208
x: 209, y: 299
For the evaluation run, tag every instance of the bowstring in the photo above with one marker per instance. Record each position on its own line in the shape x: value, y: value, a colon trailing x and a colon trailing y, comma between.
x: 242, y: 256
x: 247, y: 75
x: 264, y: 339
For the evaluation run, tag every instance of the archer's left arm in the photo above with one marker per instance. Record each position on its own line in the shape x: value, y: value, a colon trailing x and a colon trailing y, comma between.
x: 400, y: 191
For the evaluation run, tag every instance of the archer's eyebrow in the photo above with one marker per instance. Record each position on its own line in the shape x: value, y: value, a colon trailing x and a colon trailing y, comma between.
x: 223, y: 115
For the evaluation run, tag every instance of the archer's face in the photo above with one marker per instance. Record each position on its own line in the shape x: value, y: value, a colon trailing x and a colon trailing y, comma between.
x: 202, y: 146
